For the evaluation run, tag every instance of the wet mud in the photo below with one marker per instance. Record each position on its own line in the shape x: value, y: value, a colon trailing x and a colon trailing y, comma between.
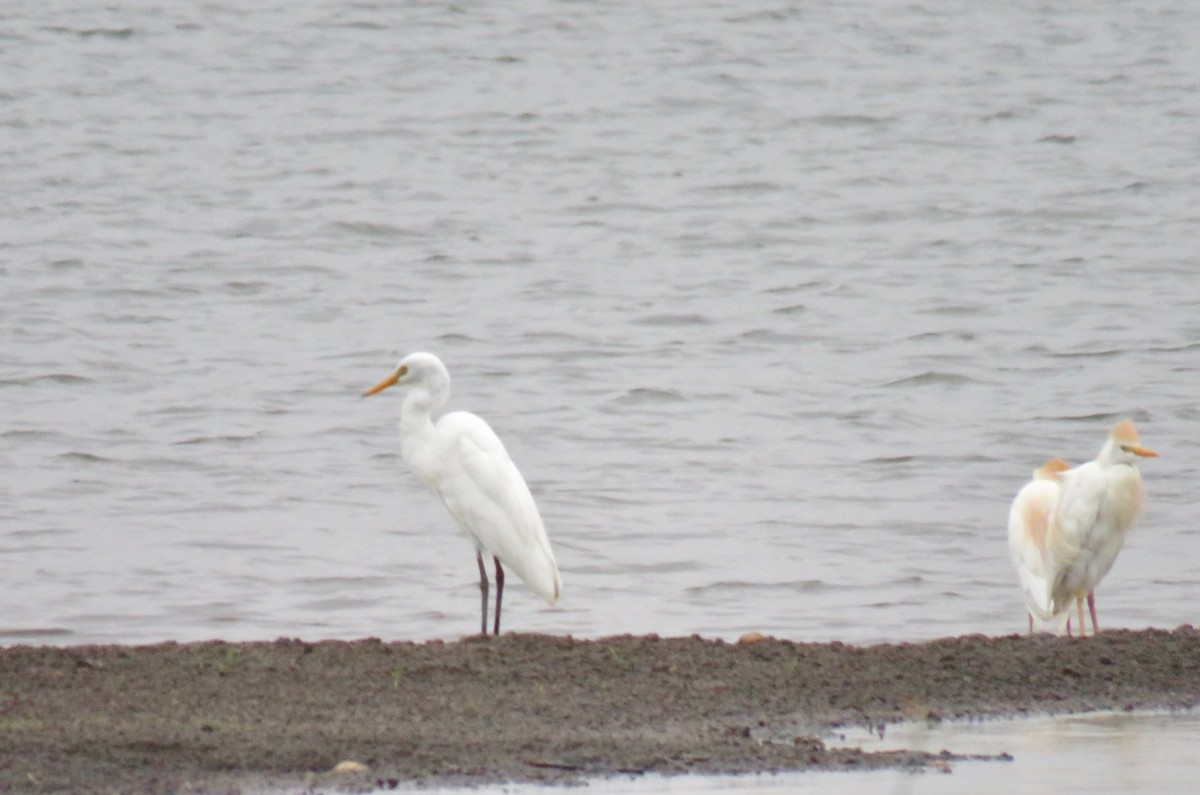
x: 249, y: 717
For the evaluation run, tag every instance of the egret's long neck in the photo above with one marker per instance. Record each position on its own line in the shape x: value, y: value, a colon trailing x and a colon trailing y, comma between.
x: 416, y: 416
x: 416, y: 421
x: 1113, y: 454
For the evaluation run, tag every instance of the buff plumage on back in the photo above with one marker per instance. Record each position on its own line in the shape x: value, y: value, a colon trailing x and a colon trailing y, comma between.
x: 1028, y: 524
x: 1037, y: 513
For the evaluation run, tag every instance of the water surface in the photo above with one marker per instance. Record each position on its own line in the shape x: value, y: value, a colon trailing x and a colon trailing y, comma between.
x: 1097, y: 753
x: 775, y: 307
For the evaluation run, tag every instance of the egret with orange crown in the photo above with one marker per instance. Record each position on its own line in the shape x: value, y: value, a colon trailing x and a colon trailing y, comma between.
x: 462, y: 460
x: 1098, y: 504
x: 1028, y: 522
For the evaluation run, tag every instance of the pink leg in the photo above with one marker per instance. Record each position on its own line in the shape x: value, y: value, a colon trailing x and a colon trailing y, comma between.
x: 1030, y: 615
x: 1092, y: 607
x: 1082, y: 625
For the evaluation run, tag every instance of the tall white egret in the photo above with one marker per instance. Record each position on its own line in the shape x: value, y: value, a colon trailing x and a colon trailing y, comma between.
x: 462, y: 460
x: 1099, y: 503
x: 1028, y: 522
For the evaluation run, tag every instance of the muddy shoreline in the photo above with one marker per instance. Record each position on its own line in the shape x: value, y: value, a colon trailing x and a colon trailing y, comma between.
x: 223, y: 717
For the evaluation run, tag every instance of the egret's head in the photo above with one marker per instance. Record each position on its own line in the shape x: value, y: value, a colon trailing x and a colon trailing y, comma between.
x: 415, y: 368
x: 1126, y: 447
x: 1052, y: 469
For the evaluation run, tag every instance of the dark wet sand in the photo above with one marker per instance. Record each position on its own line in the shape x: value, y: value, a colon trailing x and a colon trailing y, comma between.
x: 227, y: 717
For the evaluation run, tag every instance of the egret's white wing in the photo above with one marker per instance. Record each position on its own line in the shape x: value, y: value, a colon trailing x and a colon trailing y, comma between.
x: 484, y: 491
x: 1070, y: 542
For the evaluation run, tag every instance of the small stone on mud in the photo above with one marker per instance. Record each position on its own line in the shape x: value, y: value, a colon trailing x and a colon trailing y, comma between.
x: 750, y: 638
x: 350, y: 766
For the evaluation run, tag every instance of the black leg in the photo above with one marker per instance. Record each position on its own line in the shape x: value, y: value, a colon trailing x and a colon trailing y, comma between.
x: 499, y: 593
x: 483, y: 590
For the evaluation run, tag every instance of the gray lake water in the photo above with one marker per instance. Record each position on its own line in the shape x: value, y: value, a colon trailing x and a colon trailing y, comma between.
x: 775, y: 305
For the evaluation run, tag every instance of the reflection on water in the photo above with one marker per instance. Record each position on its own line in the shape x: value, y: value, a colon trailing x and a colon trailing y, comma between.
x: 1101, y: 752
x: 1098, y: 753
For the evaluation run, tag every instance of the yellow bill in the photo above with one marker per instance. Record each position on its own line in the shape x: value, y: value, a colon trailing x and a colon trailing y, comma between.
x: 382, y: 385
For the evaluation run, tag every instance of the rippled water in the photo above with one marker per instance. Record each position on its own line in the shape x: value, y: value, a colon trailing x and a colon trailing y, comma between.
x: 775, y: 307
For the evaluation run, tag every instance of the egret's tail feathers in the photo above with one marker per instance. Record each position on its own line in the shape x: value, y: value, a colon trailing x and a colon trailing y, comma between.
x: 1038, y: 600
x: 550, y: 590
x: 542, y: 578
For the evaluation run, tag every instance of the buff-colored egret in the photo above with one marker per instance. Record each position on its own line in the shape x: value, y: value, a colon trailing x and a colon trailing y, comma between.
x: 462, y: 460
x: 1028, y: 522
x: 1099, y: 503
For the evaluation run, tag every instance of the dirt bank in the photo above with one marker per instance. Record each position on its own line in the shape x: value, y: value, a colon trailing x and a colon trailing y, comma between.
x: 217, y: 716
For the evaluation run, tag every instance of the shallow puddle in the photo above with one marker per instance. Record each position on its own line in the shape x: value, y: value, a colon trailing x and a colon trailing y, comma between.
x: 1094, y: 753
